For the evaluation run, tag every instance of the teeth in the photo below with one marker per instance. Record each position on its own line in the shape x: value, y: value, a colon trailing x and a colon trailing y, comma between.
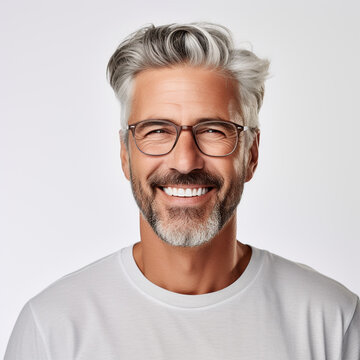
x: 181, y: 192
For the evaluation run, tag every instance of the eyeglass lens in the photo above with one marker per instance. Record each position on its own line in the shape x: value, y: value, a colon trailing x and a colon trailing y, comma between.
x: 214, y: 138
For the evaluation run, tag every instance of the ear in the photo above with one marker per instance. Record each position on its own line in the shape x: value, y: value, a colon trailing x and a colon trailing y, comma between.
x: 124, y: 156
x: 253, y: 155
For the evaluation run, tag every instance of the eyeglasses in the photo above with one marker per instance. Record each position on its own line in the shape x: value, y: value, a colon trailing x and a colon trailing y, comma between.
x: 213, y: 137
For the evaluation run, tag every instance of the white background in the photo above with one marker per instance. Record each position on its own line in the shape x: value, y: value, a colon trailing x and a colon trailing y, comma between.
x: 63, y: 200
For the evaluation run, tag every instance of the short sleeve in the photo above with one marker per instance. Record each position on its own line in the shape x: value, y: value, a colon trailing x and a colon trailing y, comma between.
x: 26, y: 342
x: 351, y: 342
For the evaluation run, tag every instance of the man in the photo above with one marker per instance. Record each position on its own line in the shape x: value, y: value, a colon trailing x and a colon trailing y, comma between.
x: 189, y: 289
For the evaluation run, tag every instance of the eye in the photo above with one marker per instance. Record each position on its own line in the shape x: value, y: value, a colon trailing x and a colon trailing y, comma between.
x: 158, y: 131
x: 213, y: 131
x: 210, y: 131
x: 154, y: 130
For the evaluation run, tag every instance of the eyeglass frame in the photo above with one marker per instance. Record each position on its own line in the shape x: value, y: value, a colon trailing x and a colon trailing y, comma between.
x: 179, y: 128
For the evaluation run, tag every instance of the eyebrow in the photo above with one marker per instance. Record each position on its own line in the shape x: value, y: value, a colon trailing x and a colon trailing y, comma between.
x: 150, y: 122
x: 200, y: 120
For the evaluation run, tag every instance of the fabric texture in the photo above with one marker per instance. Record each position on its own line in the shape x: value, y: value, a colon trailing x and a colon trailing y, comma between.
x: 108, y: 310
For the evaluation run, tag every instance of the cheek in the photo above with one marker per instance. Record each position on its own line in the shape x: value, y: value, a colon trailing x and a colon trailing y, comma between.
x: 142, y: 167
x: 238, y: 167
x: 135, y: 160
x: 238, y: 162
x: 229, y: 168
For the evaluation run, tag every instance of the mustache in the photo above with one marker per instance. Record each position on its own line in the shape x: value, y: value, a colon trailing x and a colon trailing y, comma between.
x: 196, y: 177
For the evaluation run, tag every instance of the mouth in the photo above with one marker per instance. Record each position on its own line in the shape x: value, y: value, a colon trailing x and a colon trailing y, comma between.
x: 185, y: 191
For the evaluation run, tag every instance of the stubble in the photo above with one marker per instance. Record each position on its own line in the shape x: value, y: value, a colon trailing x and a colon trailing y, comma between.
x: 187, y: 226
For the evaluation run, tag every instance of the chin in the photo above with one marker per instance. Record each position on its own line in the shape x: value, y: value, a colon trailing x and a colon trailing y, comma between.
x: 186, y: 227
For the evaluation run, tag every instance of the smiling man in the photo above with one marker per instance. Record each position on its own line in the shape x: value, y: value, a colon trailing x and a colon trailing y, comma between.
x: 187, y: 167
x: 189, y: 289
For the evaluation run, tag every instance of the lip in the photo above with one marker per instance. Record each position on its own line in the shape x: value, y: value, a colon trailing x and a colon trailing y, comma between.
x: 185, y: 201
x: 184, y: 186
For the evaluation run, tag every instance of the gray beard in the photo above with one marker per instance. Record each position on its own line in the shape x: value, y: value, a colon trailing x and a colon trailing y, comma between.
x: 185, y: 227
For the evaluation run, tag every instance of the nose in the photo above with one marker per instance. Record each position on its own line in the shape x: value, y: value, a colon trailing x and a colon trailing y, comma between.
x: 185, y: 157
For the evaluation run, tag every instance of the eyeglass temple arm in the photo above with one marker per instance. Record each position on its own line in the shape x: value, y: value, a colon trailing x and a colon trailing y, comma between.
x: 239, y: 127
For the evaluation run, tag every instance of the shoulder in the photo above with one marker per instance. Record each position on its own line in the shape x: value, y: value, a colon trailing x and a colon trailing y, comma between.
x: 76, y: 288
x: 304, y: 285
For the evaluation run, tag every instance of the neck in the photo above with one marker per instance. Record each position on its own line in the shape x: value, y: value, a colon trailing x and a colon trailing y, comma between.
x: 192, y: 270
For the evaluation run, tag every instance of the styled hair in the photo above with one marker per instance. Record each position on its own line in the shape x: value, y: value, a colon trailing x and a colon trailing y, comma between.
x: 196, y: 44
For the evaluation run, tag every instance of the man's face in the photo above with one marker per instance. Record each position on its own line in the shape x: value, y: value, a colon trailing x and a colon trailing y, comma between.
x: 185, y: 95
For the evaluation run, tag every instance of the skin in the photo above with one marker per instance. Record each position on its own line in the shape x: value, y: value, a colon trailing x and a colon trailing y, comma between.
x: 185, y: 95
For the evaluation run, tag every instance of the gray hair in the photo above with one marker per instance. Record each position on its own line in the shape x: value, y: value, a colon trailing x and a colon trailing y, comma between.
x: 195, y: 44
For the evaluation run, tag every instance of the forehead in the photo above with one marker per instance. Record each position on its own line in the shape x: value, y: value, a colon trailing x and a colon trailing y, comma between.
x: 182, y: 93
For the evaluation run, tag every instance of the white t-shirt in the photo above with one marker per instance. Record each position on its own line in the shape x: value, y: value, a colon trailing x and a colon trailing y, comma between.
x: 109, y: 310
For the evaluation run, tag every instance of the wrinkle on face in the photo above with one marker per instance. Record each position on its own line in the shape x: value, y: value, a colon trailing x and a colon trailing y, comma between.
x: 181, y: 97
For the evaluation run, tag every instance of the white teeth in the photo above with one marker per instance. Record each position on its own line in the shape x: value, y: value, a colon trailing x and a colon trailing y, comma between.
x: 181, y: 192
x: 188, y: 192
